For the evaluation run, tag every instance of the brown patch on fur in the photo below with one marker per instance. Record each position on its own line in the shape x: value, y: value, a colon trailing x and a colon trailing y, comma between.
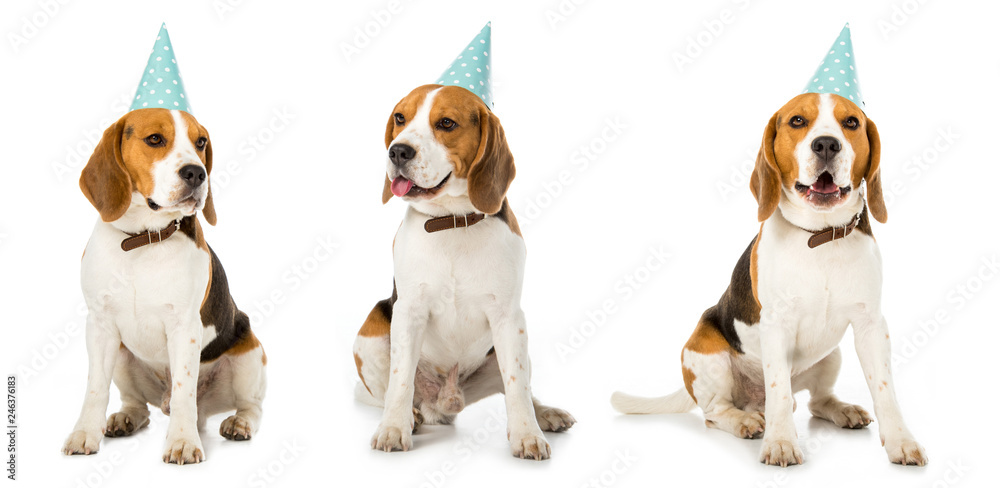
x: 689, y: 378
x: 246, y: 344
x: 408, y: 106
x: 263, y: 357
x: 358, y: 363
x: 378, y: 322
x: 753, y: 265
x: 707, y: 339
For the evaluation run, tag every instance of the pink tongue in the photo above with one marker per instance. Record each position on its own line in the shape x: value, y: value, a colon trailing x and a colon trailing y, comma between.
x: 825, y: 184
x: 400, y: 186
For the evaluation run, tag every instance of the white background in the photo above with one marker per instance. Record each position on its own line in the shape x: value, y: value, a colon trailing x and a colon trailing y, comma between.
x: 673, y: 179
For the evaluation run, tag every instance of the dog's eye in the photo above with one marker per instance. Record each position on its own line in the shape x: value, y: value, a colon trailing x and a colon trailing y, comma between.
x: 201, y: 143
x: 400, y: 120
x: 851, y: 123
x: 797, y: 121
x: 446, y: 124
x: 155, y: 140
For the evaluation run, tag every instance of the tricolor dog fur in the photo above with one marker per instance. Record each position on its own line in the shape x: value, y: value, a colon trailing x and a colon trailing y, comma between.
x: 453, y: 331
x: 161, y: 322
x: 796, y: 289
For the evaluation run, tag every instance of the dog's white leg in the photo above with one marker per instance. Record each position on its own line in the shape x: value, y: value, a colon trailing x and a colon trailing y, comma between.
x: 507, y: 324
x: 102, y: 353
x: 184, y: 350
x: 823, y: 403
x: 409, y: 319
x: 249, y: 383
x: 777, y: 341
x: 871, y: 340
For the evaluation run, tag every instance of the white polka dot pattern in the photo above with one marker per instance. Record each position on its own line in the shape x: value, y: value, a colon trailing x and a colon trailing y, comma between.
x: 831, y: 77
x: 471, y: 69
x: 161, y: 85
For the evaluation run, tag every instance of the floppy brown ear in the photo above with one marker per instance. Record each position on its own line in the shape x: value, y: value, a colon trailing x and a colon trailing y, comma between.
x: 387, y: 187
x: 873, y: 177
x: 493, y: 169
x: 765, y: 182
x: 104, y: 181
x: 209, y: 210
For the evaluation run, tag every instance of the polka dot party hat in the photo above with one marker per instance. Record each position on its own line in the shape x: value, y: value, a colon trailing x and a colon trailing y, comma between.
x: 836, y: 74
x: 471, y: 69
x: 161, y: 85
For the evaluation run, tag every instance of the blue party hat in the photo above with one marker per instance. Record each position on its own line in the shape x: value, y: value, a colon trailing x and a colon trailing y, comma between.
x: 161, y: 85
x: 836, y: 74
x: 471, y: 69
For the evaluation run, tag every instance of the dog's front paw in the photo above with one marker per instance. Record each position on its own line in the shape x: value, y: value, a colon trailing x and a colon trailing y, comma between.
x: 121, y: 424
x: 82, y: 442
x: 530, y: 446
x: 236, y: 428
x: 907, y: 452
x: 780, y: 452
x: 184, y: 451
x: 551, y: 419
x: 390, y: 438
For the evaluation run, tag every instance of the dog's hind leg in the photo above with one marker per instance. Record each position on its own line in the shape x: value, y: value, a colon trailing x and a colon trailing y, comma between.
x: 138, y: 385
x: 823, y: 404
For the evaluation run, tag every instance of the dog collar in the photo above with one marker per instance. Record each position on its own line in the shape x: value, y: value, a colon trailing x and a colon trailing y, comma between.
x: 149, y: 237
x: 829, y: 234
x: 452, y: 222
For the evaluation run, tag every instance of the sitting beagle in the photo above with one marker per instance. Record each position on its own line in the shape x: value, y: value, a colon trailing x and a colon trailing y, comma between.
x: 812, y: 270
x: 453, y: 331
x: 160, y: 321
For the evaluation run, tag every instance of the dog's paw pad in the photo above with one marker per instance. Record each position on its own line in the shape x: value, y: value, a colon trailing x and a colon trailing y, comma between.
x: 183, y: 451
x: 907, y: 452
x: 752, y: 426
x: 530, y: 446
x: 390, y: 439
x: 236, y: 428
x: 781, y: 452
x: 121, y: 424
x: 551, y: 419
x: 82, y: 442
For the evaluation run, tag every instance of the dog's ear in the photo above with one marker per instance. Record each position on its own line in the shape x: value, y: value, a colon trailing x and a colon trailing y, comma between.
x: 493, y: 169
x: 873, y: 177
x: 765, y: 183
x: 209, y: 210
x: 387, y: 187
x: 105, y: 181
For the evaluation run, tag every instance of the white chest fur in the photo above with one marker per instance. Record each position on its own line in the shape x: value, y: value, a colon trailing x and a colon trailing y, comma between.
x: 147, y: 293
x: 458, y: 273
x: 814, y: 292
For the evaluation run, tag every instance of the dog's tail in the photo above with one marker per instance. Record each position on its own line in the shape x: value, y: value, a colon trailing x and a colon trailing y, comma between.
x: 362, y: 395
x: 677, y: 402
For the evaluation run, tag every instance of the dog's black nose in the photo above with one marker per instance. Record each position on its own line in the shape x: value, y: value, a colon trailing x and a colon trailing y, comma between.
x: 193, y: 175
x: 400, y: 154
x: 826, y: 147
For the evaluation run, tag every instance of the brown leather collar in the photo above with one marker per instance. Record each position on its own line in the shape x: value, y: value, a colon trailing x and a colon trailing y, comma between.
x: 149, y: 237
x: 820, y: 237
x: 453, y: 222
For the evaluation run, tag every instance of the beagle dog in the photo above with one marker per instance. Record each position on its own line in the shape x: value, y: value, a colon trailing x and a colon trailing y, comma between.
x: 813, y: 269
x: 453, y: 331
x: 161, y: 322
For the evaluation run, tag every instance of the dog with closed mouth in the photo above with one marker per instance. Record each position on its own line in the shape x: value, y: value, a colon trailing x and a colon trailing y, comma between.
x: 453, y: 331
x: 161, y: 323
x: 812, y: 270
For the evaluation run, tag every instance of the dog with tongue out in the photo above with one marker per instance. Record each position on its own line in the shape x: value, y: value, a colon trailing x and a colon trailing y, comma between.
x: 453, y: 331
x: 811, y: 272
